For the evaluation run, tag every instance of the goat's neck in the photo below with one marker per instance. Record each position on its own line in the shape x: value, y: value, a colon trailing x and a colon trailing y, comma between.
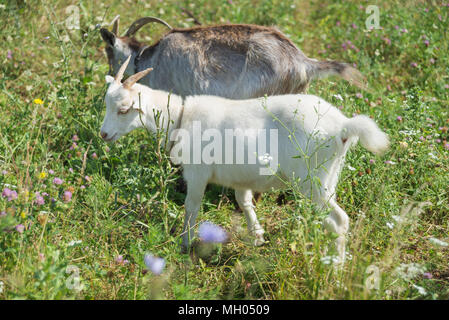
x: 168, y: 106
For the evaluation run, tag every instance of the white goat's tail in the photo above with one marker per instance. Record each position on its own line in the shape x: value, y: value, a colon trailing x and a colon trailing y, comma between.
x: 371, y: 137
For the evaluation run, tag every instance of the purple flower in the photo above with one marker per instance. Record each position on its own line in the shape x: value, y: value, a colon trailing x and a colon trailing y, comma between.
x: 427, y: 275
x: 426, y: 42
x: 73, y: 146
x: 9, y: 55
x: 354, y: 26
x: 20, y: 228
x: 432, y: 60
x: 210, y: 232
x: 399, y: 118
x: 359, y: 95
x: 70, y: 170
x: 119, y: 259
x: 67, y: 196
x: 4, y: 172
x: 414, y: 64
x: 57, y: 181
x: 372, y: 161
x: 10, y: 194
x: 438, y: 140
x: 39, y: 199
x: 83, y: 187
x: 51, y: 171
x: 75, y: 138
x: 446, y: 146
x: 2, y: 214
x: 154, y: 264
x: 94, y: 156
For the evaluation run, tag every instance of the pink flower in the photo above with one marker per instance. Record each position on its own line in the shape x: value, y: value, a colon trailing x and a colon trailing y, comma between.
x: 359, y: 95
x: 399, y: 118
x: 354, y: 26
x: 39, y: 199
x: 10, y: 194
x: 426, y: 42
x: 414, y: 64
x: 94, y: 156
x: 57, y: 181
x: 9, y: 55
x: 20, y: 228
x: 427, y: 275
x: 446, y: 146
x: 67, y: 196
x: 432, y: 60
x: 75, y: 138
x: 51, y: 171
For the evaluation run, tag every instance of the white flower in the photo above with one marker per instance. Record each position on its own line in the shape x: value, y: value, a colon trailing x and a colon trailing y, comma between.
x: 390, y: 225
x: 351, y: 168
x: 329, y: 259
x: 409, y: 271
x: 337, y: 96
x: 73, y: 243
x: 438, y: 242
x: 421, y: 290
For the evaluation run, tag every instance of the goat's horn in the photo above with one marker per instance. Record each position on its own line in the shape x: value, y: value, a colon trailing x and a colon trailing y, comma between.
x: 114, y: 23
x: 139, y: 23
x: 121, y: 71
x: 135, y: 77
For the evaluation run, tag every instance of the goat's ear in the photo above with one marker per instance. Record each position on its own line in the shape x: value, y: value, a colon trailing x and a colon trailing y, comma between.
x: 109, y: 79
x: 108, y: 36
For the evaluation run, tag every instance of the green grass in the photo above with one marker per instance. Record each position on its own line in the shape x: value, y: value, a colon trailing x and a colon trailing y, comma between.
x: 128, y: 204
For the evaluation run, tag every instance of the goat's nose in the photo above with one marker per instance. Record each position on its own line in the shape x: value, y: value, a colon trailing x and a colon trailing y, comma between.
x: 103, y: 134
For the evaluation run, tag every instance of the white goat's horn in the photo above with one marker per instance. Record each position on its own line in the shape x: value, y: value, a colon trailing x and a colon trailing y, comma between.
x: 135, y: 77
x: 139, y: 23
x: 114, y: 23
x: 121, y: 71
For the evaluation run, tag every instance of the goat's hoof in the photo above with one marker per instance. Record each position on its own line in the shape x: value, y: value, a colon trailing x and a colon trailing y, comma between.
x: 258, y: 239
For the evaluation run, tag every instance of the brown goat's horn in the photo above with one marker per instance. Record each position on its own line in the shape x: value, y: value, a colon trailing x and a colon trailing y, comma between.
x: 119, y: 76
x: 139, y: 23
x: 114, y: 23
x: 135, y: 77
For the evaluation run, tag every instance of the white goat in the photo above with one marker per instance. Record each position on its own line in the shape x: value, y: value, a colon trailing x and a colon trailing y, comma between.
x: 313, y: 137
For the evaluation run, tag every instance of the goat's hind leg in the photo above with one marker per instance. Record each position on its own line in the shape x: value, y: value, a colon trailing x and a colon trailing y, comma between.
x: 245, y: 200
x: 337, y: 222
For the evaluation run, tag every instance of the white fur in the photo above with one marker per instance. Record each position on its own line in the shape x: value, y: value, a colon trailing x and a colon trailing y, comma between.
x: 321, y: 131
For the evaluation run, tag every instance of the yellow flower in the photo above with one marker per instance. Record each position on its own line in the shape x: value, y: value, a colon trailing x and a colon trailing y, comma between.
x: 23, y: 215
x: 42, y: 175
x: 38, y: 101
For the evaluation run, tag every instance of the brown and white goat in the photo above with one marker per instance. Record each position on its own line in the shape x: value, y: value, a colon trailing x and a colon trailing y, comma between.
x: 236, y: 61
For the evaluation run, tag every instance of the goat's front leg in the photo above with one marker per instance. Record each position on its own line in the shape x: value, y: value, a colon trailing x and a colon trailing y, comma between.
x: 245, y: 200
x: 195, y: 193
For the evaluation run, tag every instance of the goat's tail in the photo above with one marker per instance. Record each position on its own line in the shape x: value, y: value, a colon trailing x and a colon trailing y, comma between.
x: 321, y: 69
x: 371, y: 137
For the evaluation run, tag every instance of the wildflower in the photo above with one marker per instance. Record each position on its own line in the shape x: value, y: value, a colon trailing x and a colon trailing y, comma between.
x: 432, y: 60
x: 403, y: 144
x: 71, y: 170
x: 94, y: 156
x: 75, y: 138
x: 67, y: 196
x: 446, y: 86
x: 119, y: 259
x: 329, y: 259
x: 51, y: 171
x: 38, y: 101
x: 338, y: 23
x: 427, y: 275
x: 446, y: 146
x: 390, y: 162
x: 154, y: 264
x: 87, y: 178
x: 210, y: 232
x: 42, y: 175
x: 359, y: 95
x: 354, y: 26
x: 74, y: 243
x: 372, y: 161
x: 4, y: 172
x: 107, y: 149
x: 390, y: 225
x: 404, y: 30
x: 20, y: 228
x: 2, y: 214
x: 23, y: 215
x: 387, y: 40
x: 421, y: 138
x: 57, y: 181
x: 414, y: 64
x: 426, y: 42
x: 438, y: 140
x: 421, y: 290
x: 9, y: 55
x: 73, y: 146
x: 39, y: 199
x: 399, y: 118
x: 10, y: 194
x: 83, y: 187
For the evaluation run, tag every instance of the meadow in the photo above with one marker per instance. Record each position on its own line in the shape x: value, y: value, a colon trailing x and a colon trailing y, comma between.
x: 78, y: 215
